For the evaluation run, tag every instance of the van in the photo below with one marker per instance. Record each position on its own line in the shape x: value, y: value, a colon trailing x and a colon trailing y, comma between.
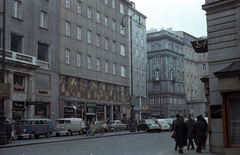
x: 34, y: 128
x: 68, y: 126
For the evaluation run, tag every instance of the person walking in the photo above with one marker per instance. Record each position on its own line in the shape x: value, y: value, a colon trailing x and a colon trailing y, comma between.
x: 190, y: 135
x: 8, y: 130
x: 206, y: 125
x: 174, y: 126
x: 181, y: 134
x: 199, y: 130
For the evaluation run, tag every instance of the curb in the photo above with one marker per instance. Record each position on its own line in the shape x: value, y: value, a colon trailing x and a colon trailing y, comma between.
x: 62, y: 140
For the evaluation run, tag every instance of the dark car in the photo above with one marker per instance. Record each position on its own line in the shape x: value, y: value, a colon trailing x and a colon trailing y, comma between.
x: 148, y: 125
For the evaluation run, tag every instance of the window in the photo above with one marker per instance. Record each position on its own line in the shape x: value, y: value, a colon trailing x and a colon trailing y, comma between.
x: 122, y: 50
x: 187, y: 64
x: 179, y: 88
x: 171, y: 74
x: 122, y: 91
x: 113, y: 4
x: 106, y: 21
x: 204, y: 67
x: 98, y: 17
x: 156, y: 60
x: 186, y: 52
x: 17, y: 9
x: 89, y: 62
x: 42, y: 51
x: 43, y: 81
x: 78, y: 59
x: 142, y: 54
x: 79, y: 8
x: 123, y: 71
x: 178, y: 62
x: 16, y: 43
x: 178, y: 49
x: 137, y: 52
x: 190, y: 53
x: 178, y: 75
x: 188, y: 78
x: 67, y: 28
x: 152, y: 100
x: 122, y: 30
x: 106, y: 43
x: 138, y: 76
x: 79, y: 33
x: 172, y: 87
x: 191, y: 65
x: 68, y: 4
x: 113, y: 25
x: 142, y: 43
x: 203, y: 55
x: 106, y: 66
x: 98, y: 64
x: 98, y: 40
x: 170, y: 46
x: 67, y: 52
x: 89, y: 37
x: 106, y: 1
x: 136, y: 40
x: 43, y: 19
x: 18, y: 80
x: 157, y: 86
x: 121, y: 8
x: 89, y: 13
x: 195, y: 55
x: 114, y: 69
x: 114, y: 46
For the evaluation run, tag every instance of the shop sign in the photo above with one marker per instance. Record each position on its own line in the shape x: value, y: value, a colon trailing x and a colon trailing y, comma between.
x: 145, y: 108
x: 4, y: 90
x: 18, y: 89
x: 124, y: 110
x: 43, y: 92
x: 216, y: 111
x: 100, y: 108
x: 200, y: 46
x: 18, y: 104
x: 69, y: 110
x: 116, y: 108
x: 91, y: 105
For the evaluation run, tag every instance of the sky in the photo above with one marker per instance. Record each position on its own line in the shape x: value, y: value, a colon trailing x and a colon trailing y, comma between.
x: 181, y: 15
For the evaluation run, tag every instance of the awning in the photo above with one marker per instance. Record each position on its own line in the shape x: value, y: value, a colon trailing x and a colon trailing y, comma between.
x: 232, y: 70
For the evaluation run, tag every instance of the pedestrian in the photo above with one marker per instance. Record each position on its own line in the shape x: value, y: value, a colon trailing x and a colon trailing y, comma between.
x: 174, y: 126
x: 206, y: 125
x: 181, y: 134
x: 190, y: 135
x: 8, y: 130
x: 199, y: 130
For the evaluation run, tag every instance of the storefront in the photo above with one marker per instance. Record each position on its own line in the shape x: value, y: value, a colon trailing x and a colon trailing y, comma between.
x: 100, y: 111
x: 116, y: 112
x: 80, y: 110
x: 91, y: 112
x: 18, y: 110
x: 69, y: 112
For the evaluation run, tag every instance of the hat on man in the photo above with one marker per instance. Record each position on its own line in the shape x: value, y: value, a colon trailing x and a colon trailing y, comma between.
x: 177, y: 115
x: 7, y: 120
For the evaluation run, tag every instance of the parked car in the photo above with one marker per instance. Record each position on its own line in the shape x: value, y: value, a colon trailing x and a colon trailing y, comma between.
x: 104, y: 126
x: 68, y: 126
x: 34, y: 128
x: 169, y: 121
x: 148, y: 125
x: 115, y: 125
x: 164, y: 125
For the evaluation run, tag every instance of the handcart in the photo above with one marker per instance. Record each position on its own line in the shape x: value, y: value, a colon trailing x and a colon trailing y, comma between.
x: 96, y: 128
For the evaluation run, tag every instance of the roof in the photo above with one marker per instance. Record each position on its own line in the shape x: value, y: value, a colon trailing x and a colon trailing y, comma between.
x: 232, y: 70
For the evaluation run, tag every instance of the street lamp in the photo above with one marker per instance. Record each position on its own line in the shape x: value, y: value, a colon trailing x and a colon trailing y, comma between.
x: 3, y: 138
x: 132, y: 125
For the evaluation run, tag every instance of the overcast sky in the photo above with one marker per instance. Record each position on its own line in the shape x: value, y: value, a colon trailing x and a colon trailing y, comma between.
x: 181, y: 15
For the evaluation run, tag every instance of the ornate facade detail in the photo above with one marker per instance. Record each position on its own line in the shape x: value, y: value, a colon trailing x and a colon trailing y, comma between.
x: 102, y: 91
x: 111, y: 93
x: 127, y: 94
x: 118, y: 93
x: 83, y: 88
x: 62, y: 88
x: 73, y: 87
x: 93, y: 90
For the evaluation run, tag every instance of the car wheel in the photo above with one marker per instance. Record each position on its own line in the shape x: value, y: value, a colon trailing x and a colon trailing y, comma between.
x: 48, y: 135
x: 147, y: 129
x: 20, y: 137
x: 69, y: 133
x: 137, y: 130
x: 32, y: 135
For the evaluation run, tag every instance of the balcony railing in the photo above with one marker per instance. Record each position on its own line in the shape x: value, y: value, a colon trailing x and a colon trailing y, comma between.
x: 43, y: 64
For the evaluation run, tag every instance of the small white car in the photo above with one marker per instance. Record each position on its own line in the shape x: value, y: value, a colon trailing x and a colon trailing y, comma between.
x: 164, y: 125
x: 115, y: 125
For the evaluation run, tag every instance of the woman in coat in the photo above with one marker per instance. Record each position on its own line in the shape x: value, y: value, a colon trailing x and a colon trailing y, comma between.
x: 190, y: 135
x: 181, y: 134
x: 199, y: 130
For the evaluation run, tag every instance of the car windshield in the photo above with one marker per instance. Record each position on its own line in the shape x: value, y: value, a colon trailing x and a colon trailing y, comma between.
x: 60, y: 121
x: 150, y: 122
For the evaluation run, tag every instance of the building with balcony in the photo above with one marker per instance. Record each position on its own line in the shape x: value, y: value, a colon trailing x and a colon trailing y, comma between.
x: 166, y: 81
x: 32, y: 59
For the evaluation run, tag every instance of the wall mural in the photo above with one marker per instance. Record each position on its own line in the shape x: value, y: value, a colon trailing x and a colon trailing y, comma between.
x: 62, y: 88
x: 93, y: 90
x: 83, y: 88
x: 111, y: 94
x: 73, y: 87
x: 118, y: 93
x: 102, y: 91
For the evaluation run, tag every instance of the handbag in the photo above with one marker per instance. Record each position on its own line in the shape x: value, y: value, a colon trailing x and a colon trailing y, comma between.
x: 173, y: 135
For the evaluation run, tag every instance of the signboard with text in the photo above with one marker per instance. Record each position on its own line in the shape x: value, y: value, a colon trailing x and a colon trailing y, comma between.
x: 216, y: 111
x: 4, y: 90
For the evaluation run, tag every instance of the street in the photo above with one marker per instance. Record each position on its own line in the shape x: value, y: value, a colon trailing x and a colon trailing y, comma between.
x: 129, y: 144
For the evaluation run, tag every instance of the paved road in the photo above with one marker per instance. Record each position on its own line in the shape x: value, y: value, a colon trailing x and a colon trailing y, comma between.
x: 119, y: 143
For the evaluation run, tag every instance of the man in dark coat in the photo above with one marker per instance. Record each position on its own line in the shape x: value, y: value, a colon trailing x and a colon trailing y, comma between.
x: 206, y: 125
x: 8, y: 130
x: 199, y: 130
x: 181, y: 134
x: 190, y: 135
x: 174, y: 126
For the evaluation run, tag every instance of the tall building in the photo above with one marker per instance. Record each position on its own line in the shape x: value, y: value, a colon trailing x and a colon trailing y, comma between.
x: 94, y: 59
x: 32, y: 59
x: 139, y: 58
x: 196, y: 67
x: 222, y: 84
x: 166, y: 82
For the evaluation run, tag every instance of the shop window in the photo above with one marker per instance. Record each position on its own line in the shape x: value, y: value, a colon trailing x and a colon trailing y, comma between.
x: 18, y: 80
x: 43, y: 81
x: 42, y: 111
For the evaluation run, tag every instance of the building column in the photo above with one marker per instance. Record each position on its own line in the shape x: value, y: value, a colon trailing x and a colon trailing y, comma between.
x: 9, y: 102
x: 111, y: 112
x: 30, y: 113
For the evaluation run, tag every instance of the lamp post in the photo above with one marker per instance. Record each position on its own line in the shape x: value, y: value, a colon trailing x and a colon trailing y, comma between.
x: 132, y: 125
x: 3, y: 138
